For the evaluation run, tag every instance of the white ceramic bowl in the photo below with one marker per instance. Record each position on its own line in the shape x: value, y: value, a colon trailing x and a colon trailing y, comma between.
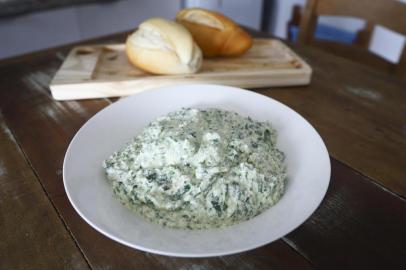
x: 307, y: 160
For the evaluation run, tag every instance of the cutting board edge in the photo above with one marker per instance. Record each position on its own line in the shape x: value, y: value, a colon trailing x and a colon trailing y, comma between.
x: 70, y: 83
x: 110, y: 89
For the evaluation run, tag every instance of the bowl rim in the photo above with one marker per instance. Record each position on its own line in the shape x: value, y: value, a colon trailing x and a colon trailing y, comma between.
x: 177, y: 254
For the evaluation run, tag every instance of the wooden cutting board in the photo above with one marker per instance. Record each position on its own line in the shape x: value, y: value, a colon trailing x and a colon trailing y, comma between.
x: 98, y: 71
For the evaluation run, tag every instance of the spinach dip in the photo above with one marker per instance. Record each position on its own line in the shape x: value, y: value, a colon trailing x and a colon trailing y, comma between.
x: 199, y: 168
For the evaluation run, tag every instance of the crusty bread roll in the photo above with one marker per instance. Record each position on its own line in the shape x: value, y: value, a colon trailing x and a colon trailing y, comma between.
x: 160, y: 46
x: 216, y: 34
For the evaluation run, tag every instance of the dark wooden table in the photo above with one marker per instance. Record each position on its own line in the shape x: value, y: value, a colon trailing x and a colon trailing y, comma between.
x: 361, y: 224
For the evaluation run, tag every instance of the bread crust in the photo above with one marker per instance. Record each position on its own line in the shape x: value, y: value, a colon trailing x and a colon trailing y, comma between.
x: 164, y: 58
x: 222, y: 38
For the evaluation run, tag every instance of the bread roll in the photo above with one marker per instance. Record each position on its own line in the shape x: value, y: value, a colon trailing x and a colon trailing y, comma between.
x: 160, y: 46
x: 215, y: 34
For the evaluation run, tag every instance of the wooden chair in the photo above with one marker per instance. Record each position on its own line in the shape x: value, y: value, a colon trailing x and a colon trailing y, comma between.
x: 388, y: 13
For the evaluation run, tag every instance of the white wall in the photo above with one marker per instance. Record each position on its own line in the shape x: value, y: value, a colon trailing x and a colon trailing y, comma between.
x: 34, y: 31
x: 384, y: 42
x: 283, y: 13
x: 40, y: 30
x: 51, y: 28
x: 387, y: 43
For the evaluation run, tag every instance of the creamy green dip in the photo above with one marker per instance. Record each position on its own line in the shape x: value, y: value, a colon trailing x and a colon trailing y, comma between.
x: 197, y: 169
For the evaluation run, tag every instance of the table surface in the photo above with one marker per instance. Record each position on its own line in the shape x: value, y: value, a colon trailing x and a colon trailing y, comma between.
x: 359, y: 112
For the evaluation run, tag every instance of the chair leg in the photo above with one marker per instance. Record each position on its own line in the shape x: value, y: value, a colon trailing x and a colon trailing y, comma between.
x: 308, y: 23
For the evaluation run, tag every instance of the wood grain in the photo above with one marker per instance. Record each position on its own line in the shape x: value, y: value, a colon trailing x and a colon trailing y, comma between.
x: 387, y: 13
x: 33, y: 236
x: 308, y: 23
x: 359, y: 225
x: 401, y: 70
x: 364, y: 36
x: 94, y: 71
x: 27, y: 104
x: 359, y: 112
x: 355, y: 53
